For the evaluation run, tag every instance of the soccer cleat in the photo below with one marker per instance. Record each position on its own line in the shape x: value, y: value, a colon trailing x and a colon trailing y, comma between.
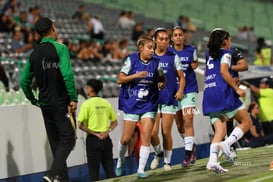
x: 119, y: 171
x: 186, y: 162
x: 142, y: 175
x: 226, y: 151
x: 156, y: 160
x: 216, y: 167
x: 167, y: 167
x: 220, y: 154
x: 233, y: 152
x: 193, y: 154
x: 48, y: 178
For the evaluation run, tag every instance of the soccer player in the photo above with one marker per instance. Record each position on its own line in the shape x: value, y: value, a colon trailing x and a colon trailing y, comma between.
x: 168, y: 98
x: 219, y: 101
x: 187, y: 106
x: 141, y: 78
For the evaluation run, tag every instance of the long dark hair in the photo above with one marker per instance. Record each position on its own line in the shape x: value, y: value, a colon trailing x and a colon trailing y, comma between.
x: 251, y: 106
x: 217, y: 36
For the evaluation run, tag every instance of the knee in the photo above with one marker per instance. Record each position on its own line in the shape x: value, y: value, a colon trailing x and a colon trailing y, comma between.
x: 125, y: 141
x: 166, y: 133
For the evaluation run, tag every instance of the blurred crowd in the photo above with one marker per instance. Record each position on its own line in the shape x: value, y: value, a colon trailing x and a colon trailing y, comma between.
x: 246, y: 33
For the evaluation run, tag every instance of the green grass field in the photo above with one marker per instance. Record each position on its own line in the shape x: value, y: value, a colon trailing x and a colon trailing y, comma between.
x: 251, y: 165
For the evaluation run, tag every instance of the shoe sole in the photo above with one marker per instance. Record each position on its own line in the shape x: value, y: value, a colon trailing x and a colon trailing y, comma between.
x: 167, y: 168
x: 186, y: 165
x: 117, y: 173
x: 142, y: 177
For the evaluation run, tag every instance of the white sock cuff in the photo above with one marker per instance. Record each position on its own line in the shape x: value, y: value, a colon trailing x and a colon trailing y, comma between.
x: 238, y: 131
x: 143, y: 157
x: 214, y: 147
x: 189, y: 140
x: 157, y: 148
x: 167, y: 156
x: 145, y: 148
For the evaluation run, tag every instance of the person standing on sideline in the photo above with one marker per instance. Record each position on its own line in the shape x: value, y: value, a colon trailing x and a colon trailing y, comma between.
x: 220, y: 86
x: 140, y: 77
x: 187, y: 106
x: 265, y: 98
x: 98, y: 118
x: 168, y: 98
x: 50, y: 65
x: 263, y: 53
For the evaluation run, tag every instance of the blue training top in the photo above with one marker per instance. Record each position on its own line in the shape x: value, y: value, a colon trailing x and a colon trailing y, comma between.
x: 169, y: 63
x: 187, y: 56
x: 218, y: 95
x: 140, y: 95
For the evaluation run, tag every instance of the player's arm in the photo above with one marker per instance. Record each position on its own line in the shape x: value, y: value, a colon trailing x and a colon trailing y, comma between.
x: 224, y: 69
x: 240, y: 66
x: 161, y: 78
x: 181, y: 77
x: 254, y: 89
x: 194, y: 63
x: 25, y: 83
x: 86, y: 129
x: 124, y: 76
x: 67, y: 73
x: 113, y: 118
x: 113, y: 125
x: 239, y: 62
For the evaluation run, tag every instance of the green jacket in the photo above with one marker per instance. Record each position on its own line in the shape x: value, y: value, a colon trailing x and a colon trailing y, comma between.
x: 50, y: 65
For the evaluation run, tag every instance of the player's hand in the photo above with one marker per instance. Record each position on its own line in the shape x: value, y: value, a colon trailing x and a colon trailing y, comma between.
x: 142, y: 74
x: 103, y: 135
x: 241, y: 92
x: 161, y: 85
x: 73, y: 106
x: 237, y: 81
x: 178, y: 95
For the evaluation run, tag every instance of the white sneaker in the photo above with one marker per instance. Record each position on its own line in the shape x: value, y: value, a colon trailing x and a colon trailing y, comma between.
x: 233, y: 154
x: 220, y: 154
x: 167, y: 167
x: 226, y: 150
x: 156, y: 160
x: 216, y: 167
